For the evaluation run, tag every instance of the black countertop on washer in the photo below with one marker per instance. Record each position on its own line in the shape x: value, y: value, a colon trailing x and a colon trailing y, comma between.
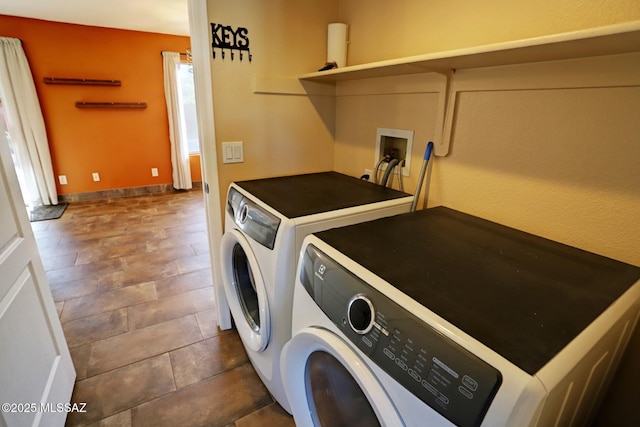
x: 300, y: 195
x: 524, y: 296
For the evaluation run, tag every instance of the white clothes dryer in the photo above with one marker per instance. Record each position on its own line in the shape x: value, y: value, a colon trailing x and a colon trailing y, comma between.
x: 265, y: 223
x: 440, y: 318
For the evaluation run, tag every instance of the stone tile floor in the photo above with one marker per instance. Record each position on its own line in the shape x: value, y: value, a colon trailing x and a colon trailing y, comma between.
x: 131, y: 278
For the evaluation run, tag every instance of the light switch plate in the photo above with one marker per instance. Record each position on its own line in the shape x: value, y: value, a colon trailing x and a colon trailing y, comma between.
x: 232, y: 152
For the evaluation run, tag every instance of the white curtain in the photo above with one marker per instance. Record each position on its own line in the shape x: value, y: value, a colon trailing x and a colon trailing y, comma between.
x: 26, y: 124
x: 177, y: 127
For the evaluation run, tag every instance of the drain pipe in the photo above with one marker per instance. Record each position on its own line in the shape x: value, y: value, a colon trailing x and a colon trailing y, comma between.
x: 423, y: 170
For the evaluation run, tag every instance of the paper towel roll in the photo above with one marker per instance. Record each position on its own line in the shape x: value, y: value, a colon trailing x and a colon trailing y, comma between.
x: 337, y: 44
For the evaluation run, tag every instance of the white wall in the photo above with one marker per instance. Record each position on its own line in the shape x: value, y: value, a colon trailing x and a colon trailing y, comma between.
x: 283, y: 134
x: 563, y: 163
x: 550, y: 149
x: 382, y: 29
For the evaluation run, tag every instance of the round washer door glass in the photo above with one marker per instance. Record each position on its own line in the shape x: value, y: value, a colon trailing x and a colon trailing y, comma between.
x: 245, y: 290
x: 246, y: 287
x: 326, y: 378
x: 316, y: 360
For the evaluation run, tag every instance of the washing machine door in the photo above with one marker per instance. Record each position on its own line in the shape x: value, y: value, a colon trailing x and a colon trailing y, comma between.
x: 245, y: 290
x: 328, y: 384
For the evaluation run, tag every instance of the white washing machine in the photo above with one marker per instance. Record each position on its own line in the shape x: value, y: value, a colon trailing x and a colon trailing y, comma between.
x: 439, y: 318
x: 265, y: 223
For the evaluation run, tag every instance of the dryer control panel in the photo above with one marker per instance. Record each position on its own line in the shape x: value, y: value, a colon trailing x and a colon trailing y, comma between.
x: 440, y: 372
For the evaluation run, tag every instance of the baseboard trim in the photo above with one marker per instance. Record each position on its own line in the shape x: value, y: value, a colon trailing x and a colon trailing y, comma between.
x: 122, y: 192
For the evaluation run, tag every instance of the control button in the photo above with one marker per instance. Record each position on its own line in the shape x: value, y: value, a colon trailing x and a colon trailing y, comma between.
x: 389, y: 354
x: 444, y: 399
x: 469, y: 383
x: 401, y: 364
x: 416, y: 376
x: 367, y: 342
x: 429, y: 387
x: 465, y: 392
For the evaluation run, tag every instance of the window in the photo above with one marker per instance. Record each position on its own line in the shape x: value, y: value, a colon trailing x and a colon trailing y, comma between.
x: 186, y: 94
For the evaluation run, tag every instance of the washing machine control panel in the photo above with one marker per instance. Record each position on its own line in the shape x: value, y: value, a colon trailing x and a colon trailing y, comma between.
x: 260, y: 225
x: 440, y: 372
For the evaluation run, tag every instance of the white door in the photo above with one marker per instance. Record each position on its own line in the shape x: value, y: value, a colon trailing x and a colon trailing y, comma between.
x: 36, y: 371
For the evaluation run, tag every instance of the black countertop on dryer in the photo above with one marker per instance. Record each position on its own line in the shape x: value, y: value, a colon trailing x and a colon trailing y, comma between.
x: 300, y: 195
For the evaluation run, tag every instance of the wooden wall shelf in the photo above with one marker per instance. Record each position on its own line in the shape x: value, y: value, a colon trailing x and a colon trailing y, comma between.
x: 111, y: 104
x: 609, y: 40
x: 88, y: 82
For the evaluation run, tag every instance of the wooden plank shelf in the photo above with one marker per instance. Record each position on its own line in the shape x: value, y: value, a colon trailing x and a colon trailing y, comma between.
x: 111, y: 104
x: 88, y: 82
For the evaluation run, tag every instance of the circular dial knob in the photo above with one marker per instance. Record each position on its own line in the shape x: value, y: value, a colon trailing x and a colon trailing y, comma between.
x: 244, y: 214
x: 361, y: 314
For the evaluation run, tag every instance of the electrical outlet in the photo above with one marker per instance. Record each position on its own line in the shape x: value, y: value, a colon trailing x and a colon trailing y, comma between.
x: 62, y: 179
x: 154, y: 171
x: 96, y: 176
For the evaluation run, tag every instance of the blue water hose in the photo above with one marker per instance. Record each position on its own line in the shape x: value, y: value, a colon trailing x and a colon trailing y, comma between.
x: 423, y: 170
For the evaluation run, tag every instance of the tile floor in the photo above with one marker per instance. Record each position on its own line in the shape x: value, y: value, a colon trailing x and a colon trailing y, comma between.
x: 132, y: 283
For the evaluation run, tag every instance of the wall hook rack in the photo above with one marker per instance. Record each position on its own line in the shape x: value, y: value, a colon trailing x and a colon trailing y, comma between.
x: 224, y: 55
x: 226, y: 37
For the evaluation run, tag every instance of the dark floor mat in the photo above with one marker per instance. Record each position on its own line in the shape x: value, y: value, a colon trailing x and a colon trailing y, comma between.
x: 45, y: 212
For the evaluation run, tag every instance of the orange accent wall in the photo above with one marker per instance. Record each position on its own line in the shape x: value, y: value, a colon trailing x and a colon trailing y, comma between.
x: 122, y: 145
